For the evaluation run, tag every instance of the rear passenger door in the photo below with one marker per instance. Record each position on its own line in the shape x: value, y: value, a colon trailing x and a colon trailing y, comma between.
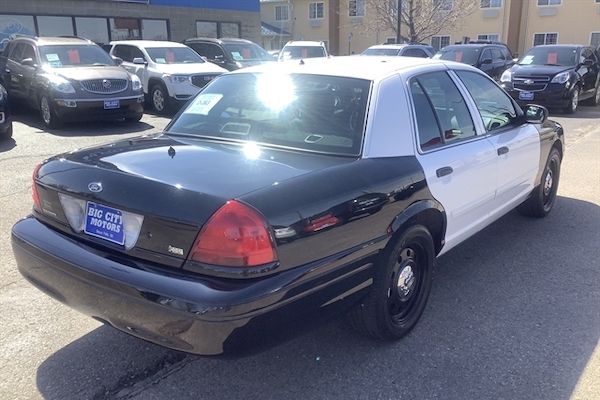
x: 516, y: 143
x: 460, y: 166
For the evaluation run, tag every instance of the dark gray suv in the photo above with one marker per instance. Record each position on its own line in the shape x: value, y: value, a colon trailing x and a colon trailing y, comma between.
x: 69, y: 79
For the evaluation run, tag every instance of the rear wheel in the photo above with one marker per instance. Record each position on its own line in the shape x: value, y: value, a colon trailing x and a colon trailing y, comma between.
x: 573, y: 102
x: 160, y: 99
x: 7, y: 134
x: 401, y: 286
x: 49, y: 117
x: 595, y: 99
x: 542, y: 199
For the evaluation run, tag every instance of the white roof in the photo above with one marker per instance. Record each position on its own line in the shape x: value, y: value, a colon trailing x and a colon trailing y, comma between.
x: 369, y: 68
x: 149, y: 43
x: 305, y: 43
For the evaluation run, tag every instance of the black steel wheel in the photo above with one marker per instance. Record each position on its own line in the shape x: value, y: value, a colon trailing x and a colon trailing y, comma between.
x: 542, y: 199
x: 401, y: 286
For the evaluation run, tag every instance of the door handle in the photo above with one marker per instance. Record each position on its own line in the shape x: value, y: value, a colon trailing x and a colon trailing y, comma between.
x: 502, y: 150
x: 444, y: 171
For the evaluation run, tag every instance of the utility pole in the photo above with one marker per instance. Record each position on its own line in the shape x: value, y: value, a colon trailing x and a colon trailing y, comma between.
x: 399, y: 16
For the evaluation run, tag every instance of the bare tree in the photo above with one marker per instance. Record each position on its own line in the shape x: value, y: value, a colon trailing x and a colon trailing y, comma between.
x: 421, y: 19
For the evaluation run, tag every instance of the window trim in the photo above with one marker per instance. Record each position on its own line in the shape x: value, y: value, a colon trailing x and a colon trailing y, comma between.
x: 545, y: 37
x: 490, y: 6
x: 357, y: 8
x: 316, y: 17
x: 549, y: 5
x: 281, y: 7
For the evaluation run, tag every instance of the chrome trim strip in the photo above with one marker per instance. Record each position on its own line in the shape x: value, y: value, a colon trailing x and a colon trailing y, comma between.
x: 102, y: 100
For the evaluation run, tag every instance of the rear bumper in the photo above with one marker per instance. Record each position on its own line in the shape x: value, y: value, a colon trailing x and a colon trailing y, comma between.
x: 194, y: 314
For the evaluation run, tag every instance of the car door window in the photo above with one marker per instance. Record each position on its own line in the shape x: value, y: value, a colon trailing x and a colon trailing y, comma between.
x: 136, y: 53
x: 486, y: 54
x: 495, y: 106
x: 123, y: 53
x: 415, y: 53
x: 215, y: 52
x: 497, y: 55
x: 440, y: 110
x: 17, y: 52
x: 29, y: 52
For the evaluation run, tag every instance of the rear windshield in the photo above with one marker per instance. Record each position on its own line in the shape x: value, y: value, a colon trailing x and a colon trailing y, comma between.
x: 58, y: 56
x: 463, y: 55
x: 305, y: 112
x: 564, y: 56
x: 295, y: 52
x: 173, y: 55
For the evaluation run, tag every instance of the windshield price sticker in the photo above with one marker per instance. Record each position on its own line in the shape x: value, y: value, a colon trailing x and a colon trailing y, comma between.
x: 104, y: 222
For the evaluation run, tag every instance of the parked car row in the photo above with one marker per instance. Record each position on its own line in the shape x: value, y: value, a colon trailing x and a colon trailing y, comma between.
x: 71, y: 79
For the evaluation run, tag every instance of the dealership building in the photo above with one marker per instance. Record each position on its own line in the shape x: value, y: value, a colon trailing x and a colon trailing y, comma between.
x: 106, y: 20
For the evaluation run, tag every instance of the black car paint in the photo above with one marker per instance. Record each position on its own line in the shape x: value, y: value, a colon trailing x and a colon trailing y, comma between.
x: 537, y: 79
x: 190, y: 296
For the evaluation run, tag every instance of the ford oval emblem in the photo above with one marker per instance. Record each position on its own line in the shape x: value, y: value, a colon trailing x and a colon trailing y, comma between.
x: 95, y: 187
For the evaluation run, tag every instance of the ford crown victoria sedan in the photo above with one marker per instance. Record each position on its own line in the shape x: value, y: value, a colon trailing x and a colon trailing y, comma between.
x: 284, y: 195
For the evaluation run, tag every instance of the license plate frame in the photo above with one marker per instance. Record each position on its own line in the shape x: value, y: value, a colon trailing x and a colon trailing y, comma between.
x: 528, y: 96
x: 104, y: 222
x: 112, y: 104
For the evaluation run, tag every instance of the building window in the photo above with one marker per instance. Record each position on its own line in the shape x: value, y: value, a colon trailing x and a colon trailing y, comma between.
x: 155, y: 29
x: 13, y: 25
x: 55, y: 26
x: 206, y: 29
x: 95, y: 29
x: 595, y: 38
x: 443, y: 5
x: 124, y: 28
x: 489, y: 36
x: 550, y: 2
x: 356, y: 8
x: 491, y: 3
x: 438, y: 42
x: 229, y: 29
x: 282, y: 13
x: 316, y: 10
x: 545, y: 38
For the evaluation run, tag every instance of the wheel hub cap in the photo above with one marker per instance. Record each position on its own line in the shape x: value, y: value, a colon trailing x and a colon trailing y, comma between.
x: 548, y: 183
x: 406, y: 281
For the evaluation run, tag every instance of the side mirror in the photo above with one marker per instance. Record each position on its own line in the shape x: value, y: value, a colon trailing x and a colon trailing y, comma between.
x: 28, y: 61
x: 117, y: 60
x: 587, y: 62
x: 139, y: 61
x: 535, y: 114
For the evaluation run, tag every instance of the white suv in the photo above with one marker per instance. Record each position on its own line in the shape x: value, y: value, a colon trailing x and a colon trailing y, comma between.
x: 297, y: 49
x: 171, y: 72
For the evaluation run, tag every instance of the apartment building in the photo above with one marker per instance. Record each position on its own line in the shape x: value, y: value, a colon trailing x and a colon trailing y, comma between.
x: 519, y: 23
x: 106, y: 20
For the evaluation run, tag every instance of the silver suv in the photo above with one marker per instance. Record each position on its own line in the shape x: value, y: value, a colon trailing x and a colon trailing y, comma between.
x: 69, y: 79
x: 171, y: 72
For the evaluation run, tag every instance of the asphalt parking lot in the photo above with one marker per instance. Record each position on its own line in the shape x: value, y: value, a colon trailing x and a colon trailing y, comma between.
x: 514, y: 311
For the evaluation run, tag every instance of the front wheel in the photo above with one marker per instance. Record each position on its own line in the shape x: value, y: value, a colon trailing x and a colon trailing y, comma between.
x: 573, y: 102
x: 49, y: 117
x: 160, y: 99
x: 401, y: 285
x: 542, y: 199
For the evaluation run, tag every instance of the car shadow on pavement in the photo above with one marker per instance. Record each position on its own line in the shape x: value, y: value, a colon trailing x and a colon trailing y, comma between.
x: 513, y: 314
x: 583, y: 111
x: 7, y: 145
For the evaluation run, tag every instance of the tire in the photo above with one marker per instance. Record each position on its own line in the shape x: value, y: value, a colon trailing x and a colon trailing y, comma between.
x: 595, y: 99
x: 401, y: 285
x: 573, y: 102
x: 7, y: 134
x: 159, y: 99
x: 49, y: 117
x: 136, y: 118
x: 542, y: 199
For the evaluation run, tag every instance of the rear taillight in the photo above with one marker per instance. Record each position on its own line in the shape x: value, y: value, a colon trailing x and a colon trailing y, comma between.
x: 235, y: 236
x: 37, y: 204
